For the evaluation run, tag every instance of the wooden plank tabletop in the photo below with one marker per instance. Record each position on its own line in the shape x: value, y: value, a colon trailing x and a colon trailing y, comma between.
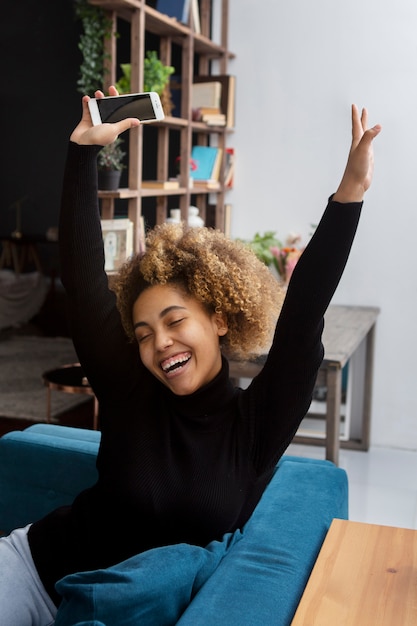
x: 365, y: 575
x: 344, y: 329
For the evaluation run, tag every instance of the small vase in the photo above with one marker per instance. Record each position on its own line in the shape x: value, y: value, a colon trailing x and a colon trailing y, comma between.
x: 109, y: 180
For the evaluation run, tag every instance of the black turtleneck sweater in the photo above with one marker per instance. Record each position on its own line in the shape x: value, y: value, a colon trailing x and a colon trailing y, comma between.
x: 177, y: 468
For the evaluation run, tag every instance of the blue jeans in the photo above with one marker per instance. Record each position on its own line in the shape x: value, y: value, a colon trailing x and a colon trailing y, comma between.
x: 23, y: 598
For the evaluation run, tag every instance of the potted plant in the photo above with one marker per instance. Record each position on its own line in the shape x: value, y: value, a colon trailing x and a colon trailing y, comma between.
x: 155, y: 78
x: 110, y: 165
x: 274, y: 254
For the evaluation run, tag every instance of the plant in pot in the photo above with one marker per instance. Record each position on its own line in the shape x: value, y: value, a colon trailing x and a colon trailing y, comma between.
x: 155, y: 78
x: 110, y: 165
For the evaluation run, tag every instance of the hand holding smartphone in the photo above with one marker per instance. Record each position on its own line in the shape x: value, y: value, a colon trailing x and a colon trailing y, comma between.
x: 145, y: 106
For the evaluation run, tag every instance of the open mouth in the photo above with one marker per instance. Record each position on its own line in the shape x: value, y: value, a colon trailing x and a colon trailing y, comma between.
x: 176, y: 363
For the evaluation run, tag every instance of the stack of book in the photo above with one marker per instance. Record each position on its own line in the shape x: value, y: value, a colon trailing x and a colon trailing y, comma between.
x: 213, y: 99
x: 205, y: 103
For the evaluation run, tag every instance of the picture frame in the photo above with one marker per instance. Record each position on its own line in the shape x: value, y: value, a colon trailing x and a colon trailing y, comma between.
x: 118, y: 242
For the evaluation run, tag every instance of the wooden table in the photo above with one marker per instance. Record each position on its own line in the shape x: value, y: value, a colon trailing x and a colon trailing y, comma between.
x: 365, y: 575
x: 347, y: 328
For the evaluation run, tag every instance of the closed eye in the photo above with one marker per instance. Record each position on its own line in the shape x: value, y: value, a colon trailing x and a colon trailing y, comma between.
x: 143, y: 338
x: 174, y: 322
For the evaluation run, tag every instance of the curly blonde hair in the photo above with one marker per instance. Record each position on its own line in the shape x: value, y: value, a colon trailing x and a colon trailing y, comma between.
x: 223, y: 274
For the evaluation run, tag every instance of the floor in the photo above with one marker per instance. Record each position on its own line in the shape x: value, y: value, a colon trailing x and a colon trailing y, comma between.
x: 382, y: 483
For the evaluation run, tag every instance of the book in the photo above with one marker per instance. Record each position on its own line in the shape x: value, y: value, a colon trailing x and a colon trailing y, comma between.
x: 227, y: 93
x: 180, y: 9
x: 195, y: 16
x: 206, y: 160
x: 215, y: 173
x: 160, y: 184
x: 208, y: 111
x: 206, y: 185
x: 140, y: 235
x: 175, y: 88
x: 229, y: 168
x: 206, y: 94
x: 214, y: 120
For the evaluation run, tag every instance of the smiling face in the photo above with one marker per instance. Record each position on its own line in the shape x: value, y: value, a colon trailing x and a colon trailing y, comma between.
x: 178, y: 338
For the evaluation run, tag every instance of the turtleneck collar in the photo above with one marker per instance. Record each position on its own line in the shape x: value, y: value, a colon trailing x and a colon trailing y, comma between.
x: 211, y: 400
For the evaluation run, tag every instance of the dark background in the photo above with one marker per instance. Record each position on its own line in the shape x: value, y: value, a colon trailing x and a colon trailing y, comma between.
x: 40, y: 106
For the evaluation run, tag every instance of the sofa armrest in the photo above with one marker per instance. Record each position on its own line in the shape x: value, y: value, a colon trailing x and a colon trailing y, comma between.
x: 262, y: 578
x: 41, y: 468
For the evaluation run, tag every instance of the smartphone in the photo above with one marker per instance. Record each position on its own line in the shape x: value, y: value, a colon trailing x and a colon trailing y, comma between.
x: 145, y: 106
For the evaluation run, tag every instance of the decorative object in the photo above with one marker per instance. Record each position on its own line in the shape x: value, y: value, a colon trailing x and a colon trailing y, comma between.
x: 194, y: 218
x: 174, y: 216
x: 274, y: 254
x: 118, y: 242
x: 285, y: 257
x: 110, y: 165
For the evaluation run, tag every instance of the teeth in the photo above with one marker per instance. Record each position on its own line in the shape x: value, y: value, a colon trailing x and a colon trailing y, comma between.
x: 173, y: 362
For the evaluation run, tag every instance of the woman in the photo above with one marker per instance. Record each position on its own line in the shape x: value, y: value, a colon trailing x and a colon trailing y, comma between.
x: 184, y: 456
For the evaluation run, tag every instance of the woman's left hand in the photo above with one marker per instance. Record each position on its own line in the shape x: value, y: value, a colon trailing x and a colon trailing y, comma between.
x: 358, y: 174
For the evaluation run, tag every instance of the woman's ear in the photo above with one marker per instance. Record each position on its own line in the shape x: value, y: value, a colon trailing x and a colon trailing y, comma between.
x: 221, y: 324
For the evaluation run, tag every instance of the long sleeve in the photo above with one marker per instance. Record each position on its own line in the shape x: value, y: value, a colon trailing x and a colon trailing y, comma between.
x: 109, y: 361
x: 280, y: 396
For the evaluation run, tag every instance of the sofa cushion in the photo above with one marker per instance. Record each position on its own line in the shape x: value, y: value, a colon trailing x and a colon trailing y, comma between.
x: 42, y: 468
x: 151, y: 588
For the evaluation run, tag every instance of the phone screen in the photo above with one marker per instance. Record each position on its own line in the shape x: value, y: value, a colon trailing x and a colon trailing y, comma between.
x: 114, y: 109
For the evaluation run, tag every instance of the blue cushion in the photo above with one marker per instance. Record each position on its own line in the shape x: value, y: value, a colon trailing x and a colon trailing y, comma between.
x: 41, y: 470
x: 66, y: 432
x: 264, y: 575
x: 154, y: 587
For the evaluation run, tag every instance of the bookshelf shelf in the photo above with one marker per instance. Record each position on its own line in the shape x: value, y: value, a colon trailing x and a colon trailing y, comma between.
x: 157, y: 145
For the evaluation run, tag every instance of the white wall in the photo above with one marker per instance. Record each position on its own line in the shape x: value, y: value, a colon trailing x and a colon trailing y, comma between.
x: 299, y: 66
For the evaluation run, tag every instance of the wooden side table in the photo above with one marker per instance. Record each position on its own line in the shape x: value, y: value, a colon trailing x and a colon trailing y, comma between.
x: 365, y: 575
x: 70, y: 379
x: 347, y: 329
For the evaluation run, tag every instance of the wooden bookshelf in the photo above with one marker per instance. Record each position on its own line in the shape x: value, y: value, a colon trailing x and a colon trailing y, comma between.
x: 196, y: 52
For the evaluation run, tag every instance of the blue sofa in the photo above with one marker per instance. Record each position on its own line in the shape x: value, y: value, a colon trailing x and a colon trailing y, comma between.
x: 255, y: 576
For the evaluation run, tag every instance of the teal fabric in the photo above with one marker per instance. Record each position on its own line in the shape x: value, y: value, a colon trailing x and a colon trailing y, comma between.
x: 263, y: 577
x: 150, y: 589
x: 42, y: 468
x: 66, y: 432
